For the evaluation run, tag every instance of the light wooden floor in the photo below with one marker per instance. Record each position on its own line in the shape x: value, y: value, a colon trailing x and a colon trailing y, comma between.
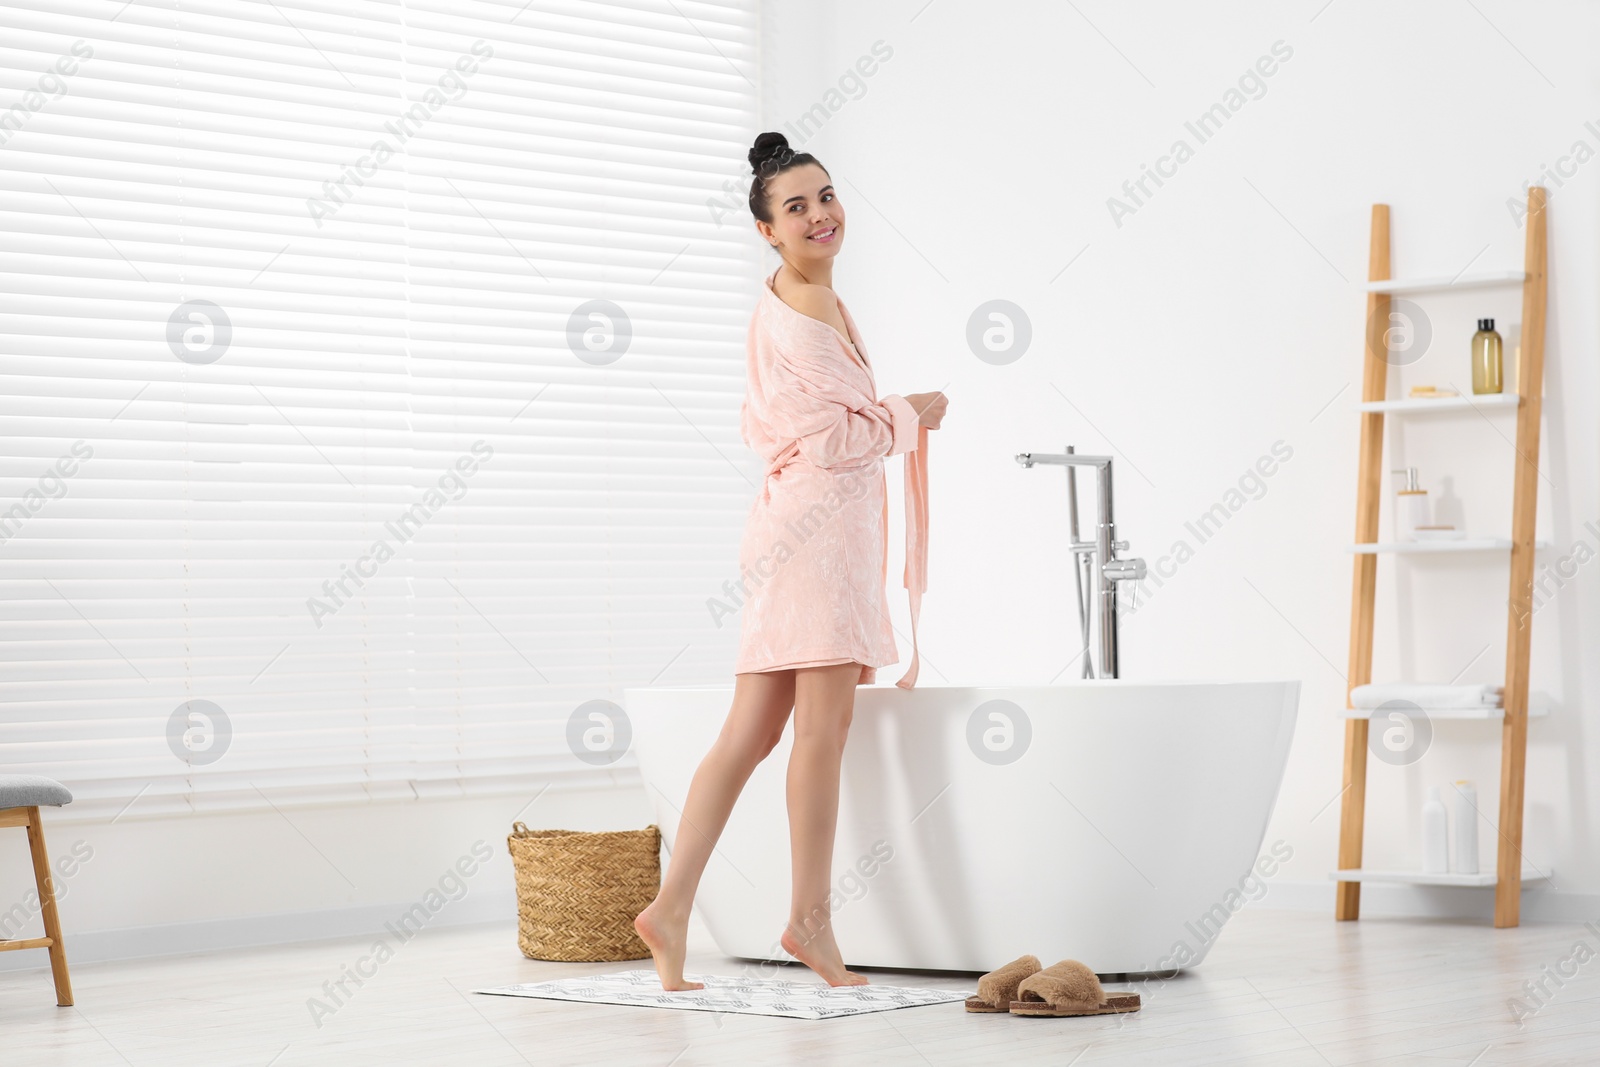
x: 1280, y: 988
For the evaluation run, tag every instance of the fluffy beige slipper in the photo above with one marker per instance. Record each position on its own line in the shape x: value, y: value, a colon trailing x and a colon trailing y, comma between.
x: 1068, y: 988
x: 997, y: 988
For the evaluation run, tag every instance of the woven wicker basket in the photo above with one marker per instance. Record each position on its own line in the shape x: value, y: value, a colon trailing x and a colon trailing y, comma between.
x: 578, y: 892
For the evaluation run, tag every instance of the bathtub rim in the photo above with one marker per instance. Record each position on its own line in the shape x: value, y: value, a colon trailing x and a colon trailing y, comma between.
x: 1082, y: 683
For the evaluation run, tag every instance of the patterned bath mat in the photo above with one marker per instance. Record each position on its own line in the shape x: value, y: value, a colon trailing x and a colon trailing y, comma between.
x: 744, y: 996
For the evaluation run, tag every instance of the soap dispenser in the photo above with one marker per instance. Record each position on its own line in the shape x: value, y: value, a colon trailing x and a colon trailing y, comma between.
x: 1435, y: 835
x: 1411, y: 506
x: 1486, y: 365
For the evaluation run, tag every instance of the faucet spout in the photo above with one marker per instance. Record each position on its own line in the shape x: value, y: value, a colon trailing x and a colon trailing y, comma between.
x: 1066, y: 459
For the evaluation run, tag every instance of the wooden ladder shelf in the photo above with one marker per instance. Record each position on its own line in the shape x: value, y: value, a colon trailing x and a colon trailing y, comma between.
x: 1514, y: 731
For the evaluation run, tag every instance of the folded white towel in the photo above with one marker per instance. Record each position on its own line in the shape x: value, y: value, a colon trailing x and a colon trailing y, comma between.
x: 1427, y: 696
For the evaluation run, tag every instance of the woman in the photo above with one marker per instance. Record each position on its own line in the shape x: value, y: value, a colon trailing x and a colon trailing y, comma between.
x: 815, y: 624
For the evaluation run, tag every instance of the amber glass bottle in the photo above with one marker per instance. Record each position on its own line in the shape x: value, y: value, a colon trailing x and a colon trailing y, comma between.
x: 1486, y: 365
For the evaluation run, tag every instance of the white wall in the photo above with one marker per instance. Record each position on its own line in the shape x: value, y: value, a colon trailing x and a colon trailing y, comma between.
x: 1220, y: 317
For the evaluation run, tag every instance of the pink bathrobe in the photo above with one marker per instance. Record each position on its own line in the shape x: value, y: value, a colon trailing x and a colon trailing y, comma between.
x: 814, y: 558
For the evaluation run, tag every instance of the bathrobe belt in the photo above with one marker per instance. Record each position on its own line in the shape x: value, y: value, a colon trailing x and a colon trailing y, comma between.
x: 916, y: 571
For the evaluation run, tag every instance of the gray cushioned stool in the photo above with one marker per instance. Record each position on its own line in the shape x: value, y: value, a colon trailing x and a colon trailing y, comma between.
x: 21, y: 796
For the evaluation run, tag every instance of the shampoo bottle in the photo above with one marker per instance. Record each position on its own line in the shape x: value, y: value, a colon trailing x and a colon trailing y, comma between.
x: 1435, y: 835
x: 1486, y: 366
x: 1465, y: 803
x: 1411, y: 507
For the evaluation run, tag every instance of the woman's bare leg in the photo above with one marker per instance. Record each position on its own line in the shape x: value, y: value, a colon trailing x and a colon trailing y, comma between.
x: 761, y: 705
x: 824, y: 702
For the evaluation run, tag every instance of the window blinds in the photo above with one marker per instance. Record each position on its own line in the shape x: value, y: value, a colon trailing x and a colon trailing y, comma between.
x: 371, y: 376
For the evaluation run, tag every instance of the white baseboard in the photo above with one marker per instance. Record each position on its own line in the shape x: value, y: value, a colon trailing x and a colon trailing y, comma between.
x: 484, y: 905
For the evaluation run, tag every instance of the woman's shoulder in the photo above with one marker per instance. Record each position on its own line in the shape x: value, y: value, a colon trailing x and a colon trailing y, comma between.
x: 813, y: 301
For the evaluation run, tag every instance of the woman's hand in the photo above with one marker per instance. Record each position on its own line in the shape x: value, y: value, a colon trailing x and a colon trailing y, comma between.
x: 930, y: 408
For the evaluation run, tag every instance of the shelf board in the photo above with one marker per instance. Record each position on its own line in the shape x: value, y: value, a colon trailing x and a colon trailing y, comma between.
x: 1466, y: 402
x: 1538, y: 706
x: 1445, y: 281
x: 1471, y: 544
x: 1484, y: 878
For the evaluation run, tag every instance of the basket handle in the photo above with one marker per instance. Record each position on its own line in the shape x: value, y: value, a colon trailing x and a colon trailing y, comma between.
x: 519, y: 827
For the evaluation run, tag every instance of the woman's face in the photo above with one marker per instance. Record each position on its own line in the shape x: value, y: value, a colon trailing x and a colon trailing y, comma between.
x: 804, y: 204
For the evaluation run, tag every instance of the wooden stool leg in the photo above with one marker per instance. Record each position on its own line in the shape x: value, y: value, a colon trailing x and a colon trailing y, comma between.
x: 47, y: 908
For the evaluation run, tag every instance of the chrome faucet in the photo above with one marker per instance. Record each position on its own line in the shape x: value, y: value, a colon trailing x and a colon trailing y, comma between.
x: 1098, y: 558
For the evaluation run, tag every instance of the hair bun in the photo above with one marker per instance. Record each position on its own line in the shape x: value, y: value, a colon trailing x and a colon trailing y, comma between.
x: 768, y: 146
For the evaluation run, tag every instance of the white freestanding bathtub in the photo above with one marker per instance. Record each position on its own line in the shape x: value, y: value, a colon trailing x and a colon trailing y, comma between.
x: 1114, y: 822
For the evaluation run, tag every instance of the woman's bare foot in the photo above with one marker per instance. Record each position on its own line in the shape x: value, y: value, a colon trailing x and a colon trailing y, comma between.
x: 667, y: 935
x: 821, y: 953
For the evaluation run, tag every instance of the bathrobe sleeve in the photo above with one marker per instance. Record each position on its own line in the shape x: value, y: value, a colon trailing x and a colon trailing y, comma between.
x: 834, y: 423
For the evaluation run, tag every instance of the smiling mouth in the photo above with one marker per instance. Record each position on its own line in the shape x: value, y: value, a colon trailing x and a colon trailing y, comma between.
x: 822, y: 235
